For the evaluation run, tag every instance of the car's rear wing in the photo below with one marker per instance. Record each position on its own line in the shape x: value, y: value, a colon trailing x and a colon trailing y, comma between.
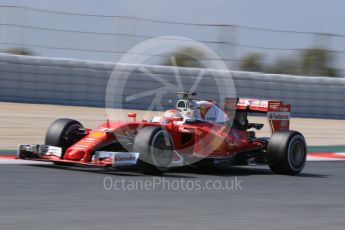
x: 278, y: 113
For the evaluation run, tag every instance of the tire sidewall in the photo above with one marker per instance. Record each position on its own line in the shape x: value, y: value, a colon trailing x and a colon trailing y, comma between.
x: 292, y: 141
x: 279, y: 152
x: 144, y: 144
x: 153, y: 159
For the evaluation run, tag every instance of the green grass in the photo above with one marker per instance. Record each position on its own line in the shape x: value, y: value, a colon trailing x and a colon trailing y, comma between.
x: 326, y: 149
x: 8, y: 151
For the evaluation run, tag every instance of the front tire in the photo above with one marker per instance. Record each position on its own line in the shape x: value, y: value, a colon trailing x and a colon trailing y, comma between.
x: 63, y: 133
x: 287, y: 152
x: 156, y: 150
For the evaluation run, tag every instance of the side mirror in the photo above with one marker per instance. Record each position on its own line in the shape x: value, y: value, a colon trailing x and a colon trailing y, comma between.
x: 132, y: 115
x: 256, y: 126
x: 193, y: 107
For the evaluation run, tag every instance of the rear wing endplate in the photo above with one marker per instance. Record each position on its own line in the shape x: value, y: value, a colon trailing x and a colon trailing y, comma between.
x: 279, y: 116
x: 278, y: 113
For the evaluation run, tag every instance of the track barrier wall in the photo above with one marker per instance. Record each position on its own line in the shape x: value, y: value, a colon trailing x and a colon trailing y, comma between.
x: 29, y: 79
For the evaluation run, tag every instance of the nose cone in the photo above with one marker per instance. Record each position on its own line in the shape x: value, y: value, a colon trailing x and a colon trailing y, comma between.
x: 74, y: 155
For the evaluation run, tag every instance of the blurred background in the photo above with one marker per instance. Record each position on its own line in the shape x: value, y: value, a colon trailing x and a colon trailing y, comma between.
x: 272, y: 36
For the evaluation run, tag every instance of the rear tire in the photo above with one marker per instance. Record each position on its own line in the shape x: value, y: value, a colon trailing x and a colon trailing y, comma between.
x: 156, y: 150
x: 63, y: 133
x: 287, y: 152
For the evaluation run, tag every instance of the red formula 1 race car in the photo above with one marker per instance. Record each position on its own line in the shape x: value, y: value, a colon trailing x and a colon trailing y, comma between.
x: 196, y: 130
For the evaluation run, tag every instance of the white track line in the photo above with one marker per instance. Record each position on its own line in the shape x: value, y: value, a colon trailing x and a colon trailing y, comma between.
x: 22, y: 162
x: 312, y: 158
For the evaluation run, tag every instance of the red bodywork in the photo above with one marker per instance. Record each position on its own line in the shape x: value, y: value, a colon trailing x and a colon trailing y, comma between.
x: 199, y: 139
x: 222, y: 142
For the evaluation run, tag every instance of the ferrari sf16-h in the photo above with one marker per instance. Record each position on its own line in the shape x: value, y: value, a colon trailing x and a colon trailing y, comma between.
x: 194, y: 131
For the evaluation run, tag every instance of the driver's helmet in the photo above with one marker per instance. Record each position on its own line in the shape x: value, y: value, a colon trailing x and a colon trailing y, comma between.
x: 171, y: 113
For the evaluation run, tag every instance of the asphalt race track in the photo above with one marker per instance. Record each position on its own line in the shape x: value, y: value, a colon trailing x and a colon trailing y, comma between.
x: 50, y: 197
